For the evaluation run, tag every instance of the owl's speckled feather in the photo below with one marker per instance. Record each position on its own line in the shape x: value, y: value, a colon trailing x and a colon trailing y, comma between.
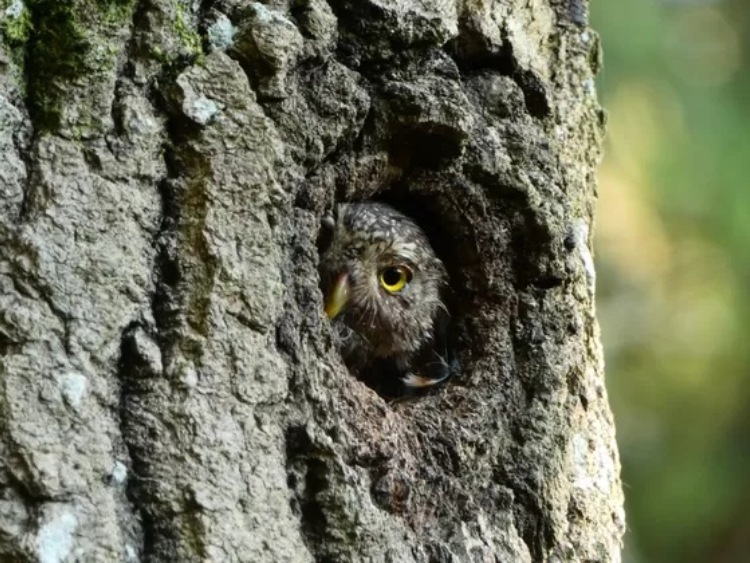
x: 377, y: 324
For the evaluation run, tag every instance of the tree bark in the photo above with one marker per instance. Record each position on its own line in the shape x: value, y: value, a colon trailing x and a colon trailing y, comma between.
x: 169, y: 386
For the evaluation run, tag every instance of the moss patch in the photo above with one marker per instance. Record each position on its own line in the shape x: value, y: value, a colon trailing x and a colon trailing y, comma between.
x: 15, y: 22
x: 189, y: 38
x: 116, y: 11
x: 56, y: 51
x: 60, y: 49
x: 15, y: 28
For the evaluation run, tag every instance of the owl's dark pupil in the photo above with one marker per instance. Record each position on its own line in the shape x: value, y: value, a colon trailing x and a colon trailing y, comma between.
x: 392, y: 276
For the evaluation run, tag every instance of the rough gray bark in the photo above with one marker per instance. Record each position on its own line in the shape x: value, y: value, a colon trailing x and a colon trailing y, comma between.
x: 169, y: 390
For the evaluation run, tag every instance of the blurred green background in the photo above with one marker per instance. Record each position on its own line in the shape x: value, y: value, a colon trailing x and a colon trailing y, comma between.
x: 673, y: 252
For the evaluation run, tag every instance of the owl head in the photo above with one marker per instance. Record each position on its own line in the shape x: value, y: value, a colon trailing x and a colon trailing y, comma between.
x: 382, y: 281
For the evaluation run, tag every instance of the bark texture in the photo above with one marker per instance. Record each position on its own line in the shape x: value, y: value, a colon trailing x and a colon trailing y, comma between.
x: 169, y: 389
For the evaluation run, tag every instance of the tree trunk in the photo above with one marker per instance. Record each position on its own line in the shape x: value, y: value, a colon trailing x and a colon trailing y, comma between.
x: 169, y: 386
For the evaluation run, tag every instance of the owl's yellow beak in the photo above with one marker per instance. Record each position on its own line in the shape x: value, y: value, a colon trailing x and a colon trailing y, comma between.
x: 337, y: 296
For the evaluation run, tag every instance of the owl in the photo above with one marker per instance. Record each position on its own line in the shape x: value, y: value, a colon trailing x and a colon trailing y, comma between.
x: 384, y: 287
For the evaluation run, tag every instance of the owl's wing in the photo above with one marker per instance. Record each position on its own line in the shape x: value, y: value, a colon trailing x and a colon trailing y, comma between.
x: 435, y: 363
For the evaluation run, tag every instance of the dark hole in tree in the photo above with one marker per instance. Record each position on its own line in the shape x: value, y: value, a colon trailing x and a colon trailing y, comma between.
x: 427, y: 147
x: 444, y: 221
x: 445, y: 227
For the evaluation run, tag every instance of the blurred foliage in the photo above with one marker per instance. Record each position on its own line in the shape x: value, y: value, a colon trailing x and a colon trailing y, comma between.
x: 673, y: 252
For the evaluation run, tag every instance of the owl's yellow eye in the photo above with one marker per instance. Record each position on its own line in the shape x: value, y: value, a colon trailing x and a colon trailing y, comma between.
x: 394, y: 278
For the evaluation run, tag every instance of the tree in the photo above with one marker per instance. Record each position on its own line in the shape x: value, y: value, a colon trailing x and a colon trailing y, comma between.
x: 170, y: 389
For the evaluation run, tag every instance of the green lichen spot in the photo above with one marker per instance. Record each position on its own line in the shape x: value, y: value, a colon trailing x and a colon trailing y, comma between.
x: 189, y: 38
x: 15, y: 22
x: 15, y: 28
x: 116, y: 12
